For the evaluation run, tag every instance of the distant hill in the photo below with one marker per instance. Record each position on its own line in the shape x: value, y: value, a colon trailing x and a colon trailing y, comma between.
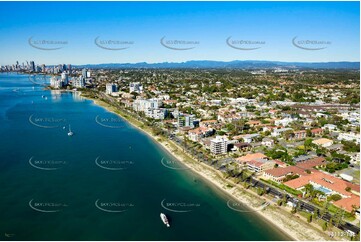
x: 237, y: 64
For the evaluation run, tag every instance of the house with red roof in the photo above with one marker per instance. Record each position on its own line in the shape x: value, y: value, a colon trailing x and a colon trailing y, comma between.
x: 256, y: 162
x: 318, y: 131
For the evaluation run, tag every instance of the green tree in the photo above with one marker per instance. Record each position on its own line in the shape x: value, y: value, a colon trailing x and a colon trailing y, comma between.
x: 324, y: 226
x: 335, y: 197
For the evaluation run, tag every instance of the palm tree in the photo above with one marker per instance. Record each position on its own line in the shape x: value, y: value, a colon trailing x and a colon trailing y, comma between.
x: 354, y: 208
x: 309, y: 189
x: 324, y: 209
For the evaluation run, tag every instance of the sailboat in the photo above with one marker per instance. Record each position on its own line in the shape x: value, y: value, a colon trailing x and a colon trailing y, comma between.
x: 70, y: 133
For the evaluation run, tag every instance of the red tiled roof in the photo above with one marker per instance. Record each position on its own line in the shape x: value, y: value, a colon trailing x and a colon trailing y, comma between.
x: 312, y: 163
x: 346, y: 203
x: 280, y: 163
x: 318, y: 130
x: 278, y: 172
x: 325, y: 180
x: 198, y: 130
x: 255, y: 163
x: 250, y: 157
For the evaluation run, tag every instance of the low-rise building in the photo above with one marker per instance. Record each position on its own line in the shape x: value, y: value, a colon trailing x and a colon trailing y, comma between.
x: 198, y: 133
x: 241, y: 146
x: 268, y: 142
x: 253, y: 156
x: 300, y: 134
x: 317, y: 131
x: 260, y: 165
x: 353, y: 137
x: 279, y: 174
x: 323, y: 142
x: 330, y: 127
x: 249, y: 138
x: 278, y: 132
x: 284, y: 122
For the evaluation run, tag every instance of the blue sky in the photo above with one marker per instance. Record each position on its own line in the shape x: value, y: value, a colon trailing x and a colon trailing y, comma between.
x: 274, y: 24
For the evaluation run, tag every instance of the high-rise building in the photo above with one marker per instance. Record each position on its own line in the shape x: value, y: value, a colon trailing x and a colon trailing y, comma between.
x: 83, y: 73
x: 32, y: 66
x: 60, y: 68
x: 219, y: 145
x: 79, y: 82
x: 135, y: 87
x: 110, y: 88
x: 156, y: 113
x: 186, y: 120
x: 65, y: 78
x: 141, y: 105
x: 55, y: 82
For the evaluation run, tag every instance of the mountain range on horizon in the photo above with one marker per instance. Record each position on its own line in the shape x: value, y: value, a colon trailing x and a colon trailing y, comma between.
x: 236, y: 64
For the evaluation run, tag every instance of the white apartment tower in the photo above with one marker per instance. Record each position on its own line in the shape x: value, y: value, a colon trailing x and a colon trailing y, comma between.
x: 219, y: 145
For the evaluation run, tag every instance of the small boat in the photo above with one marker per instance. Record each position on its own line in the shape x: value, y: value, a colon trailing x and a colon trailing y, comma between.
x: 164, y: 219
x: 70, y: 133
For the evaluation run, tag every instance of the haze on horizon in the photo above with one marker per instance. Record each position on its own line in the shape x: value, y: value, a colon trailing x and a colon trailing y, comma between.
x: 209, y: 24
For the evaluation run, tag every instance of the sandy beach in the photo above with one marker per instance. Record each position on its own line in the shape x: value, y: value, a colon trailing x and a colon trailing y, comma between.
x: 293, y: 225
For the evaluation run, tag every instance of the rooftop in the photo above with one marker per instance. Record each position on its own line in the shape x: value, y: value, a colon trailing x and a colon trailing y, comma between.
x: 347, y: 203
x: 321, y: 141
x: 250, y: 157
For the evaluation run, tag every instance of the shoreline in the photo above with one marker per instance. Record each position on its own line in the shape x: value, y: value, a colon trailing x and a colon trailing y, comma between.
x: 291, y: 225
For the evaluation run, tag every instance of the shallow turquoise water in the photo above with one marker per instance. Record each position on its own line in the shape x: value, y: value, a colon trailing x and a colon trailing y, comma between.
x: 106, y: 182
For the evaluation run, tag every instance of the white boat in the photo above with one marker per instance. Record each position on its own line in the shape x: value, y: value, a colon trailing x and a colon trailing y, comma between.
x: 70, y: 133
x: 164, y: 219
